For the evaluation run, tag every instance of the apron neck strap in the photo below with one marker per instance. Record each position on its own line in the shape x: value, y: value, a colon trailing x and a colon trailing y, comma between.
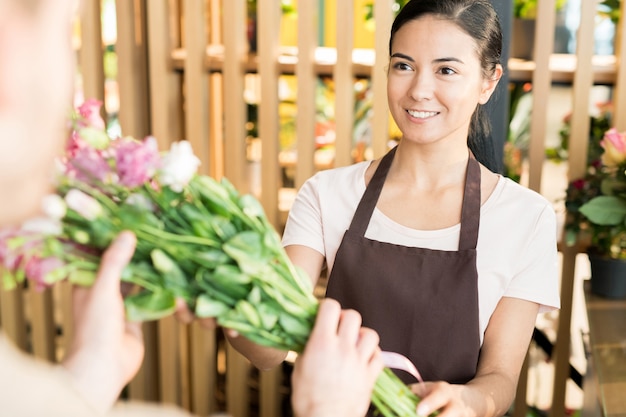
x: 470, y: 212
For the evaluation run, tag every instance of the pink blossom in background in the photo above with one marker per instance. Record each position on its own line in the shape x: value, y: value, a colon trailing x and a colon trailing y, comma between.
x: 90, y: 111
x: 37, y: 270
x: 136, y: 161
x: 614, y: 144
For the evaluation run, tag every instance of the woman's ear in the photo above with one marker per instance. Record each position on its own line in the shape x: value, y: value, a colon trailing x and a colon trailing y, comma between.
x: 490, y: 84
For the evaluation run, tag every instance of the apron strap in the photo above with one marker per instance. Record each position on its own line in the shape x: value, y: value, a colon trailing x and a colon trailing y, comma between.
x: 366, y: 206
x: 470, y: 212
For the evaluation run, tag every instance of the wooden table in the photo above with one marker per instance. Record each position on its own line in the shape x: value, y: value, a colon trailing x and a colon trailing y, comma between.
x: 607, y: 355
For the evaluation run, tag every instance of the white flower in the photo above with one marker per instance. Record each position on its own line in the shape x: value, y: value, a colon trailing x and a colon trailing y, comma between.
x: 44, y: 226
x: 54, y: 206
x: 140, y: 201
x: 83, y: 204
x: 178, y: 166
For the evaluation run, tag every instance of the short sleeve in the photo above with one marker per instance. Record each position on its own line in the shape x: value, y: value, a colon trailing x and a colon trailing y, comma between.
x: 537, y: 276
x: 304, y: 223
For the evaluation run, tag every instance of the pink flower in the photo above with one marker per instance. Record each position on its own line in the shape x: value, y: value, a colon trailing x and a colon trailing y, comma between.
x: 89, y: 165
x: 137, y: 161
x: 39, y: 270
x: 90, y: 112
x: 614, y: 144
x: 16, y: 245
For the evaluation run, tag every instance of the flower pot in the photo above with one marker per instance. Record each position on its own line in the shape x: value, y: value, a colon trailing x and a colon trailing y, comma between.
x: 608, y: 276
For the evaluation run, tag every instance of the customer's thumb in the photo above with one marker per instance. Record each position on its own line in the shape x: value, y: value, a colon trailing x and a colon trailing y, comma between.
x: 115, y: 259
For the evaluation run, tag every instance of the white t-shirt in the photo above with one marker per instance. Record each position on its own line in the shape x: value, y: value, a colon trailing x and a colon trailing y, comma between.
x: 516, y: 250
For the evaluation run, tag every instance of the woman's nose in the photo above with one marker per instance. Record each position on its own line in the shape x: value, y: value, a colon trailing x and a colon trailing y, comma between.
x: 422, y: 86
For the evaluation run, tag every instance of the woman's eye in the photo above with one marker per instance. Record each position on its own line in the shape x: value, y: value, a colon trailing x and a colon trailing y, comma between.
x: 447, y: 71
x: 402, y: 66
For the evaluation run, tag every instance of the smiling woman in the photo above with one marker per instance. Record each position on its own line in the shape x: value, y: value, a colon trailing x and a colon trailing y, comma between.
x: 418, y: 235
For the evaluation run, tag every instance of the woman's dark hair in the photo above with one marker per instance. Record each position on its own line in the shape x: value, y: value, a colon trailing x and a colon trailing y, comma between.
x: 479, y: 20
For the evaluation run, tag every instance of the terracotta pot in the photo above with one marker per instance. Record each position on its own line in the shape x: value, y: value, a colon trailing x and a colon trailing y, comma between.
x: 608, y: 276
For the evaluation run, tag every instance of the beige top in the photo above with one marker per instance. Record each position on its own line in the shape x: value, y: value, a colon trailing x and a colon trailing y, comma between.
x: 31, y: 387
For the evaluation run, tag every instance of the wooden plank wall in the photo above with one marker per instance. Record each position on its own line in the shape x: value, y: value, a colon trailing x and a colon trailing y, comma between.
x: 202, y: 100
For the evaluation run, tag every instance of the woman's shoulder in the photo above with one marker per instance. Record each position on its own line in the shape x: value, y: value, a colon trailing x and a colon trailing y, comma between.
x: 517, y: 199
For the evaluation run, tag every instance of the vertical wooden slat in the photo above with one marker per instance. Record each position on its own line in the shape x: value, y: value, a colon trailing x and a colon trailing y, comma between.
x: 237, y: 388
x: 270, y: 392
x: 67, y: 322
x: 306, y: 85
x: 42, y: 323
x: 145, y: 385
x: 196, y: 81
x: 235, y: 55
x: 91, y: 53
x: 216, y: 92
x: 169, y: 366
x: 619, y: 90
x: 577, y: 159
x: 383, y: 15
x: 165, y: 92
x: 132, y: 74
x: 165, y: 104
x: 344, y: 84
x: 542, y: 79
x: 268, y: 51
x: 12, y: 314
x: 203, y: 370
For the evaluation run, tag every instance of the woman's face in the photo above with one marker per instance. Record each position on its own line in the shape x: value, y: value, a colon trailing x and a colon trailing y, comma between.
x: 36, y: 78
x: 435, y: 81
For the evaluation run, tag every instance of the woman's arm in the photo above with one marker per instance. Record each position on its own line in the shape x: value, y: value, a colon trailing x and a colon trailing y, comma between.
x: 492, y: 391
x: 265, y: 358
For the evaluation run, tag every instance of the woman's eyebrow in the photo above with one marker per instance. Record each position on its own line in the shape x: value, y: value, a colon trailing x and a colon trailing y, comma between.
x: 435, y: 61
x: 402, y: 56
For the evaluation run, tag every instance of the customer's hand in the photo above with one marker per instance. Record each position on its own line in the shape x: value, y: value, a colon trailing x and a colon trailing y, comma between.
x: 106, y: 351
x: 336, y: 373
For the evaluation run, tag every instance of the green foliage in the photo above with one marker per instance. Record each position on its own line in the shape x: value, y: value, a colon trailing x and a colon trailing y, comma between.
x: 527, y: 9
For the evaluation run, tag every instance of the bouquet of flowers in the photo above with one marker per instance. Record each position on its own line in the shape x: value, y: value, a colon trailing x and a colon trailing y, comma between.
x: 197, y: 239
x: 596, y: 203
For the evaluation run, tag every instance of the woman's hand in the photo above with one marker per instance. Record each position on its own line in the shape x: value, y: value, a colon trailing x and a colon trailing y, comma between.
x: 450, y: 400
x: 106, y: 351
x: 336, y: 373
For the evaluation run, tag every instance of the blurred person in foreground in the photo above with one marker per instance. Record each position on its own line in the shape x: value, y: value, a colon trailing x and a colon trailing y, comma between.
x: 36, y: 79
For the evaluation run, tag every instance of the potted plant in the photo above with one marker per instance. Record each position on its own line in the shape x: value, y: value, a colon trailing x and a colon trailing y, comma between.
x: 596, y: 216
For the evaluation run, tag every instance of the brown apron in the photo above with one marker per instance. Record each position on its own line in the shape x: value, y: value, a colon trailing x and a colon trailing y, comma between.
x: 422, y: 302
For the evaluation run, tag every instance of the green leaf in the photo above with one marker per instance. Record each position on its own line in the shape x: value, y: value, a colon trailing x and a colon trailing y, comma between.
x: 293, y: 325
x: 250, y: 313
x: 247, y: 250
x: 150, y: 305
x: 211, y: 258
x: 269, y: 315
x: 82, y: 277
x: 208, y: 307
x: 605, y: 210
